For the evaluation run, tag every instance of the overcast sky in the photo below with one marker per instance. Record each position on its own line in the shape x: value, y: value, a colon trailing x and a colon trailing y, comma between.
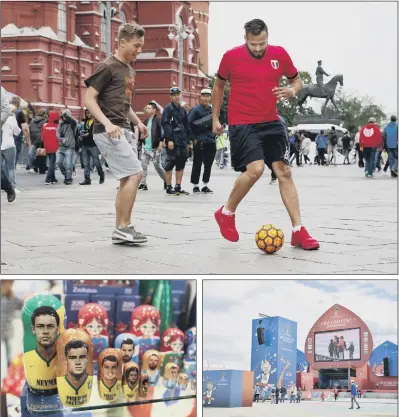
x: 358, y: 40
x: 230, y: 306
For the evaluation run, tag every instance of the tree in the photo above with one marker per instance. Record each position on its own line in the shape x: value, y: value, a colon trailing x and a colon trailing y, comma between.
x: 356, y: 110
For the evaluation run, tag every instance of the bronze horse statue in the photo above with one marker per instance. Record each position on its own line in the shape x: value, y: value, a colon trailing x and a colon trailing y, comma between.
x: 328, y: 92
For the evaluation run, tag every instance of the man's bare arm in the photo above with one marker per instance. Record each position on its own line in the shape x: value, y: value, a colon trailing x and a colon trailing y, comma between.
x: 26, y: 132
x: 90, y: 102
x: 132, y: 116
x: 217, y: 98
x: 296, y: 84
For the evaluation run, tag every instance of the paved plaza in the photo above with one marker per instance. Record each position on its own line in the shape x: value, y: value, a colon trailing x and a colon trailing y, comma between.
x: 368, y: 408
x: 67, y: 229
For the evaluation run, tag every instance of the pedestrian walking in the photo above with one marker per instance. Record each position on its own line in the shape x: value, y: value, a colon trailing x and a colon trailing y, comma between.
x: 51, y: 144
x: 66, y: 135
x: 90, y: 149
x: 176, y: 131
x: 390, y: 136
x: 322, y: 397
x: 292, y: 394
x: 336, y: 393
x: 370, y: 141
x: 9, y: 131
x: 353, y: 396
x: 283, y: 393
x: 152, y: 145
x: 321, y: 143
x: 200, y: 122
x: 346, y: 146
x: 277, y: 394
x: 299, y: 395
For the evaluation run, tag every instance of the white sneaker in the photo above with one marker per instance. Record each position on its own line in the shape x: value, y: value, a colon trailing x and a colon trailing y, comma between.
x: 387, y: 174
x: 32, y: 171
x: 16, y: 190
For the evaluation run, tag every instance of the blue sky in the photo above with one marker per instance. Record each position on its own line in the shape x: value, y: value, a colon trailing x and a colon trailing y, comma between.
x: 230, y: 305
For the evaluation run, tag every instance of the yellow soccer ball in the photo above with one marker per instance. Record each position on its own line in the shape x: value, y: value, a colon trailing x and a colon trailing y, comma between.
x: 269, y: 238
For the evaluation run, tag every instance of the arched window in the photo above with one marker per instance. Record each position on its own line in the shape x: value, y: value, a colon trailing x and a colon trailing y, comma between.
x: 62, y: 21
x: 122, y: 16
x: 103, y: 27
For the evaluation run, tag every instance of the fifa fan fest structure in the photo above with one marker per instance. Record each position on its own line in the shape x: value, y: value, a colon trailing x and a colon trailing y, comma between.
x: 338, y: 349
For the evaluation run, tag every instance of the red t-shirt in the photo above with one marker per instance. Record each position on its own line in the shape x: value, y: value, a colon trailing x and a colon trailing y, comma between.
x: 251, y: 81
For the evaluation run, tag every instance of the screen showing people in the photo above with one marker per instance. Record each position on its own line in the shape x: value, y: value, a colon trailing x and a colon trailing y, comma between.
x: 338, y: 345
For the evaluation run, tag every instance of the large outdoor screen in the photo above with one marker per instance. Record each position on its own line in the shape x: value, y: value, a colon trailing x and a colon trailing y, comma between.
x: 338, y: 345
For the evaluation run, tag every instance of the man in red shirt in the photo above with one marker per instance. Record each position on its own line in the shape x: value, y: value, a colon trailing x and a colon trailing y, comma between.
x: 257, y: 136
x: 51, y: 143
x: 370, y: 140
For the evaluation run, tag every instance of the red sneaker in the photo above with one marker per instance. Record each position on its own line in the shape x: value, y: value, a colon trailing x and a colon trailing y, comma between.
x: 227, y: 224
x: 303, y: 239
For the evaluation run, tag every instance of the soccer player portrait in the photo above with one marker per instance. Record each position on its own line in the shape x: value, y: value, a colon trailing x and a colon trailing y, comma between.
x: 127, y: 350
x: 40, y: 362
x: 110, y: 374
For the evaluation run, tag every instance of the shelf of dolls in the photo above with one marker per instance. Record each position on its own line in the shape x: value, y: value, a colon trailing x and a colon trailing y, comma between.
x: 33, y: 405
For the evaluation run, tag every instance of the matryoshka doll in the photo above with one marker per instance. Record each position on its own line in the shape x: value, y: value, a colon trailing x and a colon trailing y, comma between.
x: 145, y: 327
x: 110, y: 369
x: 93, y: 319
x: 131, y: 381
x: 172, y: 345
x: 170, y: 378
x: 190, y: 358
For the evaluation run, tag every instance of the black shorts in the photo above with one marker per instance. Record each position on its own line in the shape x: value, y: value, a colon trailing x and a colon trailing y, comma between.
x: 261, y: 141
x: 176, y: 158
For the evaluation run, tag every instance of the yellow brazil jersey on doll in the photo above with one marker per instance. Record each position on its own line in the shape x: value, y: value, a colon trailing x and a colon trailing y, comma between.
x: 130, y: 394
x: 109, y: 393
x: 74, y: 396
x: 39, y: 372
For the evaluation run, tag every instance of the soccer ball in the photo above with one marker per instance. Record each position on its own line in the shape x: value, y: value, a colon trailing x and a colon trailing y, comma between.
x: 269, y: 238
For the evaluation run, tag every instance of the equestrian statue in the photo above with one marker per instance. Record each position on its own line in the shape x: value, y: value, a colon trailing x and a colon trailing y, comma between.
x: 321, y: 90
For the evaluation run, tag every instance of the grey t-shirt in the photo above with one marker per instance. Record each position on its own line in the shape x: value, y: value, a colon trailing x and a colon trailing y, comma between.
x: 114, y: 81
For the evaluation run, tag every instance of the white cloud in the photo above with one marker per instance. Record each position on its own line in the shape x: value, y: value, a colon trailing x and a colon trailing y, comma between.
x: 358, y: 40
x: 230, y: 306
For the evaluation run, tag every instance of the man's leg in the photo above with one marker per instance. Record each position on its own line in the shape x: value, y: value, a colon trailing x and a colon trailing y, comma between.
x: 86, y: 164
x: 9, y: 156
x: 69, y: 155
x: 198, y: 158
x: 181, y: 160
x: 288, y: 191
x: 18, y: 148
x: 145, y: 161
x: 95, y: 154
x: 125, y: 199
x: 244, y: 183
x: 31, y: 156
x: 157, y: 164
x: 300, y: 236
x: 60, y: 161
x: 208, y: 156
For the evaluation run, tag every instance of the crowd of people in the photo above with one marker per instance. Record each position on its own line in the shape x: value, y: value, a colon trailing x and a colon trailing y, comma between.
x: 56, y: 141
x: 277, y: 394
x: 371, y: 148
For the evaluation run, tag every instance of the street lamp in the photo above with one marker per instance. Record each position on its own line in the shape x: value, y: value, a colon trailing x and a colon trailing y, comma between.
x: 180, y: 33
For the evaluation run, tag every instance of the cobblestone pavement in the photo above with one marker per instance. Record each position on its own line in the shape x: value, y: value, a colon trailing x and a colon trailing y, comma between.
x: 309, y: 409
x: 67, y: 229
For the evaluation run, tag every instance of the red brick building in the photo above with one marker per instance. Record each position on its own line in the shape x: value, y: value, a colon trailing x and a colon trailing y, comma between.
x: 49, y: 49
